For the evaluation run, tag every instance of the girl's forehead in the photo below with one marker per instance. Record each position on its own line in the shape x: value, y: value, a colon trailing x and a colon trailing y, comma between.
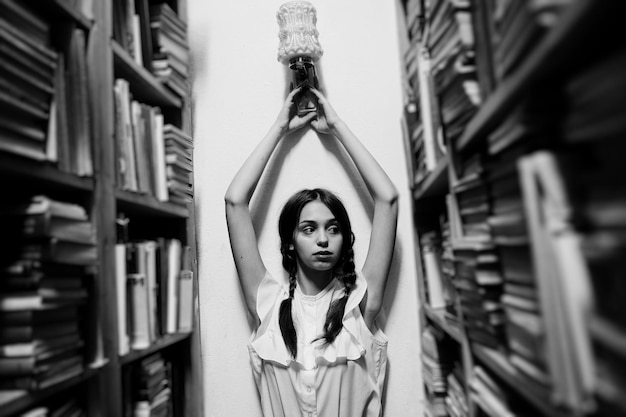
x: 316, y: 211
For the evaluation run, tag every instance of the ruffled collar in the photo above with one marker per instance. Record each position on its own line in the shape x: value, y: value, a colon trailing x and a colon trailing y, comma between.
x: 268, y: 344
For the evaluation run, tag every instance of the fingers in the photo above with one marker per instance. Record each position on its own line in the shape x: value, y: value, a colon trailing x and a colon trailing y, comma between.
x: 315, y: 91
x: 293, y: 93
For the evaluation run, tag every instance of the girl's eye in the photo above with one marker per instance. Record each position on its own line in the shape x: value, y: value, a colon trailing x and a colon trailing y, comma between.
x: 307, y: 230
x: 333, y: 229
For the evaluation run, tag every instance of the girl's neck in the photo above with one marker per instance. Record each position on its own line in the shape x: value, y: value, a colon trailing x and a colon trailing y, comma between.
x: 312, y: 282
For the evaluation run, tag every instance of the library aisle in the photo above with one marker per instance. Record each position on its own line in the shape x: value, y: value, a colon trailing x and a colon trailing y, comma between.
x: 500, y: 122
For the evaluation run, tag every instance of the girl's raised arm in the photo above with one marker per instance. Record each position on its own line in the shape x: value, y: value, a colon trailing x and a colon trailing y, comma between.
x: 250, y: 266
x: 382, y: 240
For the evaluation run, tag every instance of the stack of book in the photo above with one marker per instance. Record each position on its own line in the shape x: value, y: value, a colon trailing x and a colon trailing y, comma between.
x: 43, y: 117
x: 140, y: 147
x: 479, y: 287
x: 494, y: 398
x: 170, y: 59
x: 517, y: 27
x: 27, y: 68
x: 448, y: 273
x: 439, y: 353
x: 472, y: 200
x: 155, y: 285
x: 508, y: 224
x: 43, y: 285
x: 456, y: 398
x: 451, y: 44
x: 179, y: 164
x: 152, y: 388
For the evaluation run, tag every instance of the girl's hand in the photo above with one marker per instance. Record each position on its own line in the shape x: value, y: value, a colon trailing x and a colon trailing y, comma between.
x: 327, y: 117
x: 288, y: 121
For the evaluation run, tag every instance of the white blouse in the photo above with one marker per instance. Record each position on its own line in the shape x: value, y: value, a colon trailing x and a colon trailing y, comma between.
x: 341, y: 379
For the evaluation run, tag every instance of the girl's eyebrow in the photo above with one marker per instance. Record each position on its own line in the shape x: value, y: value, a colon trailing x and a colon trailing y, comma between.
x: 329, y: 221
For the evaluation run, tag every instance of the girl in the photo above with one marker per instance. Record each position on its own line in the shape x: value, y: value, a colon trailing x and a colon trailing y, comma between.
x: 316, y: 350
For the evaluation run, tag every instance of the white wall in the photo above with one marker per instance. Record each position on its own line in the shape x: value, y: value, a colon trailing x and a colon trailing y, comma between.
x: 239, y: 88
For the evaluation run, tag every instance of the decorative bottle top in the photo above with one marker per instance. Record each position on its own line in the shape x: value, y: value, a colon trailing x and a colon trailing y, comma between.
x: 297, y: 32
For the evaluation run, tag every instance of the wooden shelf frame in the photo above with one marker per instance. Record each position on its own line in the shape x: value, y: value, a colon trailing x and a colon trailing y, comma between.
x: 45, y: 173
x: 162, y: 343
x: 438, y: 316
x: 63, y: 10
x: 144, y: 86
x: 131, y: 202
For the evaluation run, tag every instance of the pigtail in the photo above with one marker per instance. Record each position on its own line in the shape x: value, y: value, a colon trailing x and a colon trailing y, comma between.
x: 334, y: 316
x: 285, y: 318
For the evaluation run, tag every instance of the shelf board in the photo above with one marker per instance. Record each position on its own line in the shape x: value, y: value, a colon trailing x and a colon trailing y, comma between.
x: 438, y: 316
x: 140, y: 203
x: 552, y: 55
x: 143, y: 84
x: 520, y: 383
x: 435, y: 184
x: 62, y: 10
x: 43, y: 172
x: 14, y: 401
x: 165, y: 341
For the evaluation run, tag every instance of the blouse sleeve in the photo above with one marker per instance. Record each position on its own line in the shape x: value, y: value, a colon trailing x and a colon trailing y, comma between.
x: 269, y: 293
x: 266, y: 342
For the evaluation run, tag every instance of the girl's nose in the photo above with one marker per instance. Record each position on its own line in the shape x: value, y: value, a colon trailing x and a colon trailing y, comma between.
x: 322, y: 239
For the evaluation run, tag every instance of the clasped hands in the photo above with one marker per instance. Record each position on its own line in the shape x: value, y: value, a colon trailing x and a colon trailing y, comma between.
x: 323, y: 121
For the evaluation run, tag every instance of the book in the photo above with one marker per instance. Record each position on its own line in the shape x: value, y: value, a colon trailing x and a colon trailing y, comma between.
x: 139, y: 311
x: 27, y: 333
x: 41, y: 299
x: 186, y: 302
x: 121, y: 287
x: 174, y: 258
x: 45, y: 379
x: 37, y: 317
x: 561, y: 279
x: 50, y: 361
x: 81, y: 161
x: 61, y: 251
x: 40, y: 346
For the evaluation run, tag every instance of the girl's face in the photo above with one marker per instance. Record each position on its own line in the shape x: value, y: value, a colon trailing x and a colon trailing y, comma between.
x: 318, y: 239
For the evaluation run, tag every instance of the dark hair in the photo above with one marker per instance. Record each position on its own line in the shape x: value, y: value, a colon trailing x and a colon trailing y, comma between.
x: 343, y: 271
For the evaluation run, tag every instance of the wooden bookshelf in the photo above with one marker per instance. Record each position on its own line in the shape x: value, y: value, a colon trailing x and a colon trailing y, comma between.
x: 509, y: 190
x: 69, y: 107
x: 553, y: 56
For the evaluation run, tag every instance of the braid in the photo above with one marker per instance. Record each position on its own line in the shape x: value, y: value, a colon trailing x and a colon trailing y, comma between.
x: 334, y: 316
x: 285, y: 319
